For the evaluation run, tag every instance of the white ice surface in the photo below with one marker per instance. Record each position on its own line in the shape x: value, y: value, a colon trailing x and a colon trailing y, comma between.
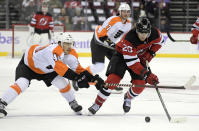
x: 43, y: 109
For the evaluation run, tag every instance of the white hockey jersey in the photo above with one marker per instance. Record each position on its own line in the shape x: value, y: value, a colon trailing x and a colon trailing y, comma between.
x: 113, y: 28
x: 49, y: 58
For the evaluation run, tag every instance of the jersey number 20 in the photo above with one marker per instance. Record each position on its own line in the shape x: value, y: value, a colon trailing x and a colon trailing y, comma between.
x: 127, y: 48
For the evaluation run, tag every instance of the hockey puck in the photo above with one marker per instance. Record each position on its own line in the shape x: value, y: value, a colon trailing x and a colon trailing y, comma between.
x: 147, y: 119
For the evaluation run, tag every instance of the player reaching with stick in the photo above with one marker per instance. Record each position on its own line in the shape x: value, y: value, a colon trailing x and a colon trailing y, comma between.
x: 138, y: 46
x: 105, y: 37
x: 51, y: 64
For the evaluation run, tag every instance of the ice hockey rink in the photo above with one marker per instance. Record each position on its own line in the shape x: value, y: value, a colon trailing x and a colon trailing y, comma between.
x: 43, y: 109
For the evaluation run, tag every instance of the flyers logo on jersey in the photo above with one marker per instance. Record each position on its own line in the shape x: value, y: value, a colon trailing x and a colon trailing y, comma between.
x: 43, y: 21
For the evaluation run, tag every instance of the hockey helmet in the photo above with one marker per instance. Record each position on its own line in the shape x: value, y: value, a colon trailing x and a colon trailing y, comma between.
x: 63, y: 37
x: 143, y: 25
x: 44, y: 7
x: 124, y: 6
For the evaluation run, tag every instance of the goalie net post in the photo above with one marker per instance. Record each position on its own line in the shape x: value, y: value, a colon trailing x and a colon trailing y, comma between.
x: 20, y: 34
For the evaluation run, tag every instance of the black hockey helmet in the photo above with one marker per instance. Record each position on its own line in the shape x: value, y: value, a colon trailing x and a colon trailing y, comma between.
x: 143, y: 25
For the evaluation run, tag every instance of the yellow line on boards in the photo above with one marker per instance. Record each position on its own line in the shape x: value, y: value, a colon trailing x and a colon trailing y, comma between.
x: 158, y: 55
x: 3, y: 53
x: 178, y: 55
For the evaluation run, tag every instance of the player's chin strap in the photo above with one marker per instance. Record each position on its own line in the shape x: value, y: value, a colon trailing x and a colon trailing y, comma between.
x: 176, y: 120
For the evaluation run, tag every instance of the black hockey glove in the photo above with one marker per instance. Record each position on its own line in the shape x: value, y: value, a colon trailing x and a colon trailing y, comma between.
x: 82, y: 81
x: 97, y: 79
x: 99, y: 82
x: 107, y: 41
x: 89, y: 76
x: 110, y: 43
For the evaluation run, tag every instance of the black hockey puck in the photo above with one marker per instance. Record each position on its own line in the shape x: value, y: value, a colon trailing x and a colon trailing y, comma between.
x: 147, y: 119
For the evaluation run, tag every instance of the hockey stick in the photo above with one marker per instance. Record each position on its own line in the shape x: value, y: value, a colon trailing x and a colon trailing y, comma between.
x: 173, y: 120
x: 186, y: 86
x: 171, y: 38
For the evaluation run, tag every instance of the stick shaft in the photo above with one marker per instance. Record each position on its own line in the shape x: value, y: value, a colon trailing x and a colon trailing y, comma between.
x: 163, y: 105
x: 148, y: 86
x: 160, y: 96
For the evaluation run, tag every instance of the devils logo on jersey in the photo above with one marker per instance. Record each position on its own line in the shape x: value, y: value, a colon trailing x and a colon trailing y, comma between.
x: 43, y: 21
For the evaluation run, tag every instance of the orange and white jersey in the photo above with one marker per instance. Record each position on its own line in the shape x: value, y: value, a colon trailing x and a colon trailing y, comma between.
x: 72, y: 61
x: 49, y: 58
x: 113, y: 28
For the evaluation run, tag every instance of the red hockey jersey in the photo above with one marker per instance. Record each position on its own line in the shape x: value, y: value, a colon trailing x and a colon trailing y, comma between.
x: 42, y: 23
x: 133, y: 49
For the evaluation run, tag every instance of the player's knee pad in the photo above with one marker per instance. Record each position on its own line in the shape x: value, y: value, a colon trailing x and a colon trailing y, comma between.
x: 61, y: 83
x: 97, y: 67
x: 138, y: 90
x: 113, y: 79
x: 22, y: 83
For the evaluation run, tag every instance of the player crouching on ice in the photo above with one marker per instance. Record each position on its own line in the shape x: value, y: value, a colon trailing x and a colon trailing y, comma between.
x: 52, y: 64
x: 138, y: 46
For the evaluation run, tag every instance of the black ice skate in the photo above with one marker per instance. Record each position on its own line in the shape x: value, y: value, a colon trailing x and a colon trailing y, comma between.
x: 126, y: 104
x: 75, y: 86
x: 75, y: 107
x: 3, y: 113
x: 93, y: 109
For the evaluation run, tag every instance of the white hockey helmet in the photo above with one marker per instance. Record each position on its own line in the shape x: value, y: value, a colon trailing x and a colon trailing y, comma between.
x: 124, y: 6
x: 64, y: 37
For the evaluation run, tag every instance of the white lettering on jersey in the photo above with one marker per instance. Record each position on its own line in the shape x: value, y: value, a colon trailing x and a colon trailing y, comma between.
x: 127, y: 48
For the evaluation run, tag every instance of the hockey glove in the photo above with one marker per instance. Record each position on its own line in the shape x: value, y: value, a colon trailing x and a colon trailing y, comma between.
x: 147, y: 56
x: 194, y: 39
x: 89, y: 76
x: 151, y: 78
x: 110, y: 43
x: 82, y: 81
x: 99, y: 82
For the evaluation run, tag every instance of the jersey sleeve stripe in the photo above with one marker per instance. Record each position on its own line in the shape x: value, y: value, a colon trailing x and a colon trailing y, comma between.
x: 129, y: 57
x: 130, y: 63
x: 195, y: 27
x: 60, y: 68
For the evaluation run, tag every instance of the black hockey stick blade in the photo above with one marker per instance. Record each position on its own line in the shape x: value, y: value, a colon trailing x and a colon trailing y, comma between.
x: 171, y: 38
x: 169, y: 35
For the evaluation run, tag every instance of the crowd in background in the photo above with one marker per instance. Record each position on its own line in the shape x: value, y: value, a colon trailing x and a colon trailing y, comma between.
x: 86, y: 14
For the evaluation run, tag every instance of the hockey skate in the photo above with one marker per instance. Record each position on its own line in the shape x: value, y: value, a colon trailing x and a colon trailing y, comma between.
x: 75, y: 107
x: 126, y: 104
x: 117, y: 90
x: 3, y: 113
x: 93, y: 109
x: 75, y: 86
